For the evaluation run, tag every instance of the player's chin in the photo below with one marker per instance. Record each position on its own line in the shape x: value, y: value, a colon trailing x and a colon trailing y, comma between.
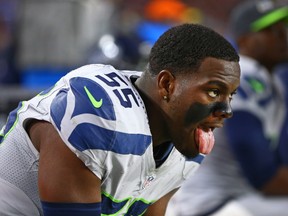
x: 191, y: 155
x: 190, y: 151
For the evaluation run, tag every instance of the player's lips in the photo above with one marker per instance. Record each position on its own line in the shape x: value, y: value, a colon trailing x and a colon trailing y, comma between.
x: 210, y: 126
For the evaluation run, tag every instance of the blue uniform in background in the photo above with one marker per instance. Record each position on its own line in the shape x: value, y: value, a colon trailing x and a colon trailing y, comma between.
x: 254, y: 131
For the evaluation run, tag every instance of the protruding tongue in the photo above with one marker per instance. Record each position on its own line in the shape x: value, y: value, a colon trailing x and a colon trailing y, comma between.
x: 205, y: 140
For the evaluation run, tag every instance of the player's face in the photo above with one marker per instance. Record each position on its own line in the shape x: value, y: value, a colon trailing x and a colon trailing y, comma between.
x: 199, y: 103
x: 270, y: 45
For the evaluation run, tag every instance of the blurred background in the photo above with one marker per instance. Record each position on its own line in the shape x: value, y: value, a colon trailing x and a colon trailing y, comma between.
x: 41, y: 40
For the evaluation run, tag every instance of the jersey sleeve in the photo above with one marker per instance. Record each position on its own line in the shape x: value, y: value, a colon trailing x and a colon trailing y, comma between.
x: 84, y: 116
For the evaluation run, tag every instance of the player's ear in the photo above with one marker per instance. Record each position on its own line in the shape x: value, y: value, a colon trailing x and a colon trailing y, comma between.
x: 166, y: 83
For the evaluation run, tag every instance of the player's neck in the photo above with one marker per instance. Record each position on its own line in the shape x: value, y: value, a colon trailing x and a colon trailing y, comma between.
x: 157, y: 124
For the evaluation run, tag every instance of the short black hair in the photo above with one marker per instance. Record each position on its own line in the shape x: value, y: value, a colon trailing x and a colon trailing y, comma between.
x: 182, y: 48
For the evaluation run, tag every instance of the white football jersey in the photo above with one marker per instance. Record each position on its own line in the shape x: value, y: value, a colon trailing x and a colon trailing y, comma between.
x: 101, y: 117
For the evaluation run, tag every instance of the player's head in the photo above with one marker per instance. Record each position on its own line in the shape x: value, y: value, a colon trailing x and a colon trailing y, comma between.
x: 182, y: 49
x: 191, y: 78
x: 260, y: 31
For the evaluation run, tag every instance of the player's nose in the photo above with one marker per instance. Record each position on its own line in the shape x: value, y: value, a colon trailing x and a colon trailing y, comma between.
x: 223, y: 110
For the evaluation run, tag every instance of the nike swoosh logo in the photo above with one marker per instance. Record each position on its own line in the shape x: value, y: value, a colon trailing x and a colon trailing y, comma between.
x: 95, y: 103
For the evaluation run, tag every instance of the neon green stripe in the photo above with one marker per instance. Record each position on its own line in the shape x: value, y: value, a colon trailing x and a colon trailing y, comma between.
x: 129, y: 198
x: 126, y: 199
x: 257, y: 86
x: 116, y: 201
x: 113, y: 199
x: 269, y: 19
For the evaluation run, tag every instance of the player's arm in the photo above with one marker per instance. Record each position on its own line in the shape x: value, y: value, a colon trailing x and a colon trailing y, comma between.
x: 278, y: 183
x: 64, y: 181
x: 159, y: 207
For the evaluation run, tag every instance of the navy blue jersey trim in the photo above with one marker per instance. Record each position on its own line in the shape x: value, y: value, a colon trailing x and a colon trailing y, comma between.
x: 83, y: 104
x: 71, y: 209
x: 198, y: 159
x: 12, y: 119
x: 88, y: 136
x: 58, y: 107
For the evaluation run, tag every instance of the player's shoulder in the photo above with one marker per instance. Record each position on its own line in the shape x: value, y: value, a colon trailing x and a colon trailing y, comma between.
x: 104, y: 80
x: 101, y: 98
x: 255, y: 79
x: 94, y: 71
x: 97, y: 89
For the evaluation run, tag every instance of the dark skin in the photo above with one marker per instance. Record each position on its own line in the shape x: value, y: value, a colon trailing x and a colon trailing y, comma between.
x: 215, y: 82
x: 269, y: 47
x: 64, y: 178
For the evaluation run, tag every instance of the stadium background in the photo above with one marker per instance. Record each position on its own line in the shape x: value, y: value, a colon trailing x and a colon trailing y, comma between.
x: 40, y: 40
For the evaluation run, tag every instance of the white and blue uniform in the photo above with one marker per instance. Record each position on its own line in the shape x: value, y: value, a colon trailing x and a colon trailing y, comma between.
x: 100, y: 116
x: 246, y: 154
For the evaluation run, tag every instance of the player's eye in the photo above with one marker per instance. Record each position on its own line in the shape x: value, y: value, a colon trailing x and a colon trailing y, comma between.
x: 213, y: 93
x: 231, y: 95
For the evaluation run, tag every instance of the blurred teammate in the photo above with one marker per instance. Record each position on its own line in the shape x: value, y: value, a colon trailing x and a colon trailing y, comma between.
x: 110, y: 142
x: 247, y: 172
